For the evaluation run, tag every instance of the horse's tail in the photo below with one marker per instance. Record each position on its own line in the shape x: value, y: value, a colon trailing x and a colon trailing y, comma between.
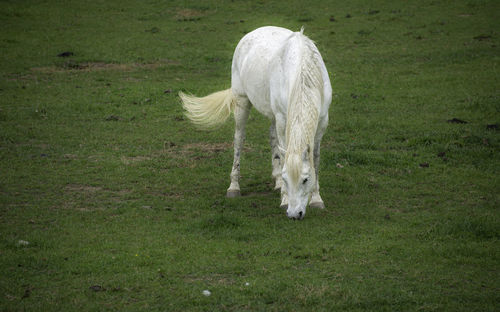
x: 209, y: 111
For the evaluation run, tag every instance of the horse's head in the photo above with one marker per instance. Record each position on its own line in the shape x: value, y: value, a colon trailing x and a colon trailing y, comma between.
x: 299, y: 180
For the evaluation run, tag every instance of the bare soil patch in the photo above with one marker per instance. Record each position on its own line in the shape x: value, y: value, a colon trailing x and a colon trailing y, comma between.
x: 102, y: 66
x: 135, y: 159
x: 190, y: 154
x: 208, y: 147
x: 189, y: 14
x: 83, y: 188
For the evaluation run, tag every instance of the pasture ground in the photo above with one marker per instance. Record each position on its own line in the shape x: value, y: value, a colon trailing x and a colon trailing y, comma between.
x: 111, y: 200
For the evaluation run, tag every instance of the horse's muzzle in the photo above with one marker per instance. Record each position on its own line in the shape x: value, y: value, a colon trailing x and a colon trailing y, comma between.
x: 295, y: 216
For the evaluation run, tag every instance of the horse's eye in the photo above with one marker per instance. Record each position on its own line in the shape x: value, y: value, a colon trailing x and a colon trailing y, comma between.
x: 305, y: 181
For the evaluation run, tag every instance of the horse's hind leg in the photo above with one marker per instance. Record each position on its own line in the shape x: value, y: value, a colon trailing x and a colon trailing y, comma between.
x: 276, y: 160
x: 241, y: 113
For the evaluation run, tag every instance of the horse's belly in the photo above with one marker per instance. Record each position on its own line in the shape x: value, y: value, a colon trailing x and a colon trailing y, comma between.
x: 263, y: 107
x: 256, y: 89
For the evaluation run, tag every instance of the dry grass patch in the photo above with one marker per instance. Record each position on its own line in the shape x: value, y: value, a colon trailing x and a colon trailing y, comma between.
x: 135, y: 159
x: 208, y: 147
x: 83, y: 188
x: 189, y: 155
x: 86, y: 194
x: 189, y: 14
x: 189, y: 150
x: 101, y: 66
x: 217, y: 279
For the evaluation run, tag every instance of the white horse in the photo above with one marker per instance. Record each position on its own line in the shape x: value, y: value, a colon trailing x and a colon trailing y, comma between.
x: 281, y: 73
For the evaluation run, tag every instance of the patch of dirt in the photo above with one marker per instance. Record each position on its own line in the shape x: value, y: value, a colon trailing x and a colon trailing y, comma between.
x: 84, y: 192
x: 190, y: 154
x: 65, y: 54
x: 94, y: 189
x: 482, y: 37
x: 189, y: 14
x: 101, y: 66
x: 213, y: 278
x: 70, y: 156
x: 492, y: 127
x: 97, y: 288
x: 83, y: 188
x: 135, y: 159
x: 456, y: 121
x: 166, y: 196
x: 190, y: 149
x: 84, y: 209
x: 113, y: 118
x: 208, y: 147
x: 259, y: 194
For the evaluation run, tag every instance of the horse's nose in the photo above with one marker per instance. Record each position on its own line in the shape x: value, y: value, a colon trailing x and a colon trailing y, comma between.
x: 298, y: 216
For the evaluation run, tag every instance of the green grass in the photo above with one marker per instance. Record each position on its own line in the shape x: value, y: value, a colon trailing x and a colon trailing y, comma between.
x: 123, y: 201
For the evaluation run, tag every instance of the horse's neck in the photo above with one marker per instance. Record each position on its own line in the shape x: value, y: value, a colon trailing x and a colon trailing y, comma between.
x: 300, y: 148
x: 305, y: 97
x: 300, y: 140
x: 302, y: 123
x: 301, y: 129
x: 304, y: 100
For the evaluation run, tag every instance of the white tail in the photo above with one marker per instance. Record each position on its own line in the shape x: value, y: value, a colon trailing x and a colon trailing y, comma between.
x: 209, y: 111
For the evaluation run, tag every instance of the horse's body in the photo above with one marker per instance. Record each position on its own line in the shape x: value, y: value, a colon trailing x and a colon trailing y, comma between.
x: 282, y: 74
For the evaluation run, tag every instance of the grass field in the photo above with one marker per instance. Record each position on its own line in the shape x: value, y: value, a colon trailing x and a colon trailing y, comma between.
x: 111, y: 200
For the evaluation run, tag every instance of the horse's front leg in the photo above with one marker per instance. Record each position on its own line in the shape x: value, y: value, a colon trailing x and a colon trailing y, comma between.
x: 276, y: 156
x: 241, y: 113
x: 279, y: 125
x: 316, y: 201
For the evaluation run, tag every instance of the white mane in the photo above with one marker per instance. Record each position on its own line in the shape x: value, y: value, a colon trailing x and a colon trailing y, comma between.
x: 304, y: 102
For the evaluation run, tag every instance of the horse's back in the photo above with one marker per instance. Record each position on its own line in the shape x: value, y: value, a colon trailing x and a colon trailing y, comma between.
x: 272, y: 54
x: 251, y: 63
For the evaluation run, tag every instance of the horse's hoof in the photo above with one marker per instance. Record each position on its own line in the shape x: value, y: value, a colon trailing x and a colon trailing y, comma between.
x: 285, y: 207
x: 319, y: 205
x: 233, y: 194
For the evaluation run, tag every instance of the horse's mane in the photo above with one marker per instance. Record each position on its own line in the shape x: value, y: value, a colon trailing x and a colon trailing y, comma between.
x: 302, y: 117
